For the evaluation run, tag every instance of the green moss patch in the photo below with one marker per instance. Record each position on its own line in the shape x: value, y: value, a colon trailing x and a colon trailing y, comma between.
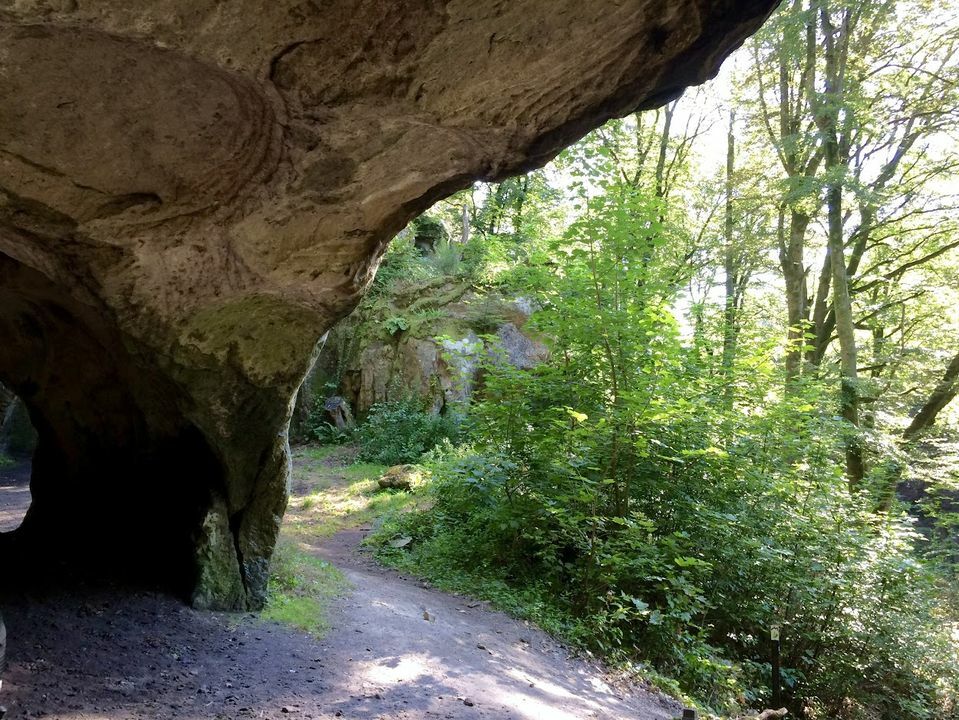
x: 302, y: 586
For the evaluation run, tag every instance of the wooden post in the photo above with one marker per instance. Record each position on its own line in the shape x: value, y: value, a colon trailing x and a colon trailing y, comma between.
x: 776, y: 679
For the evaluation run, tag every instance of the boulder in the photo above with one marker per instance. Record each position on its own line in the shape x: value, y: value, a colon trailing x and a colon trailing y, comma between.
x: 192, y: 192
x: 400, y: 477
x: 338, y: 411
x: 521, y: 350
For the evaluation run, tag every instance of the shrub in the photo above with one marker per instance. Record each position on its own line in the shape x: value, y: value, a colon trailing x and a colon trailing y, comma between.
x: 401, y: 431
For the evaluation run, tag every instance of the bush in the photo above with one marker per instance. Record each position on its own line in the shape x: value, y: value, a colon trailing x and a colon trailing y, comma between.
x: 689, y: 581
x: 400, y: 432
x: 619, y: 492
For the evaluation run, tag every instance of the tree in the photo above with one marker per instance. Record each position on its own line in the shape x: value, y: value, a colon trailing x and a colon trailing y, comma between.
x: 944, y: 393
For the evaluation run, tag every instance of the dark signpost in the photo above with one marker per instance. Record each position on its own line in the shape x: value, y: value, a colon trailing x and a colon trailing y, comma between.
x: 776, y: 680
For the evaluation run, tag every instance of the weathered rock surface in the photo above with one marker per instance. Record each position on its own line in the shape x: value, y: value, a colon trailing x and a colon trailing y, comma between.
x: 400, y: 477
x: 420, y: 339
x: 193, y: 191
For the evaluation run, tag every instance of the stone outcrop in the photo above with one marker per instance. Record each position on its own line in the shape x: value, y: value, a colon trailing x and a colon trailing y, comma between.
x: 423, y: 340
x: 193, y: 191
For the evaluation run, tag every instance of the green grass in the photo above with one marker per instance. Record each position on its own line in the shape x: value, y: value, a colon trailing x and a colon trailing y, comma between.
x: 332, y: 493
x: 318, y: 452
x: 6, y: 460
x: 301, y: 588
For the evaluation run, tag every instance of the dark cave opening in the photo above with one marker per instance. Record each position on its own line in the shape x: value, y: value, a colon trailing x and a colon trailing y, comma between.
x: 116, y: 479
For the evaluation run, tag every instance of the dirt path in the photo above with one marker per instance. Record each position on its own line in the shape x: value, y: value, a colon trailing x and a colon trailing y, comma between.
x: 396, y: 649
x: 464, y: 661
x: 14, y: 495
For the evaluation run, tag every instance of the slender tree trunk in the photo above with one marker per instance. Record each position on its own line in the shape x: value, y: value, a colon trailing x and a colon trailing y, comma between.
x: 821, y: 315
x: 662, y: 190
x: 465, y: 220
x: 855, y: 468
x: 827, y: 119
x: 794, y: 273
x: 729, y: 314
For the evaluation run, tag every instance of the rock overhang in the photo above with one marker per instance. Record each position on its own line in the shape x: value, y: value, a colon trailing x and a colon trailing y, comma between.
x: 191, y: 193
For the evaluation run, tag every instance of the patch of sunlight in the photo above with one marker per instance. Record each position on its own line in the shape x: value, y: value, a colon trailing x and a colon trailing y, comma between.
x: 328, y: 498
x: 364, y: 471
x: 534, y: 708
x: 553, y: 692
x: 405, y: 669
x: 543, y: 686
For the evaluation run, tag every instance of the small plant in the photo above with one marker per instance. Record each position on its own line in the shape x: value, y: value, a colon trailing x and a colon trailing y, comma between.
x: 448, y: 258
x: 328, y: 434
x: 319, y: 429
x: 396, y: 324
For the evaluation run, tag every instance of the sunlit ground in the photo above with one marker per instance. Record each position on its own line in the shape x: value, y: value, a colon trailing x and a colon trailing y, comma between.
x: 14, y: 492
x: 331, y: 494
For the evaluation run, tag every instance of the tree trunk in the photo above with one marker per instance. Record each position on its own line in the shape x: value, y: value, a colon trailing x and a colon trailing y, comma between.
x: 941, y: 396
x: 662, y: 190
x: 827, y: 119
x: 465, y: 219
x: 729, y: 313
x: 794, y: 273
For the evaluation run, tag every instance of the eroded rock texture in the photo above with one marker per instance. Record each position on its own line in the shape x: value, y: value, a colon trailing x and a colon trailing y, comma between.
x: 193, y: 191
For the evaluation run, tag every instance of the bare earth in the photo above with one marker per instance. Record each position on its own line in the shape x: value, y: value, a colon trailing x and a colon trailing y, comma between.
x: 14, y: 495
x: 397, y: 649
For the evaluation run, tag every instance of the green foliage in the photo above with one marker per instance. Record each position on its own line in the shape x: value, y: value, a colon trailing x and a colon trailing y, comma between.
x: 402, y: 263
x: 318, y: 428
x: 400, y: 432
x: 429, y: 231
x: 396, y: 324
x: 656, y: 491
x: 614, y: 496
x: 327, y: 433
x: 447, y: 258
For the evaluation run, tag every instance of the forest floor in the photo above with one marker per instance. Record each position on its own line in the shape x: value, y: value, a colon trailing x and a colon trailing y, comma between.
x: 382, y: 645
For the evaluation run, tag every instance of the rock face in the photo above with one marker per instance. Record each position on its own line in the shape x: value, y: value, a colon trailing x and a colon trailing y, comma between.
x: 420, y: 339
x: 192, y: 192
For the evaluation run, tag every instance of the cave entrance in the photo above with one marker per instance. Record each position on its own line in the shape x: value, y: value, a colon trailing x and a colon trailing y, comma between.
x: 18, y: 440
